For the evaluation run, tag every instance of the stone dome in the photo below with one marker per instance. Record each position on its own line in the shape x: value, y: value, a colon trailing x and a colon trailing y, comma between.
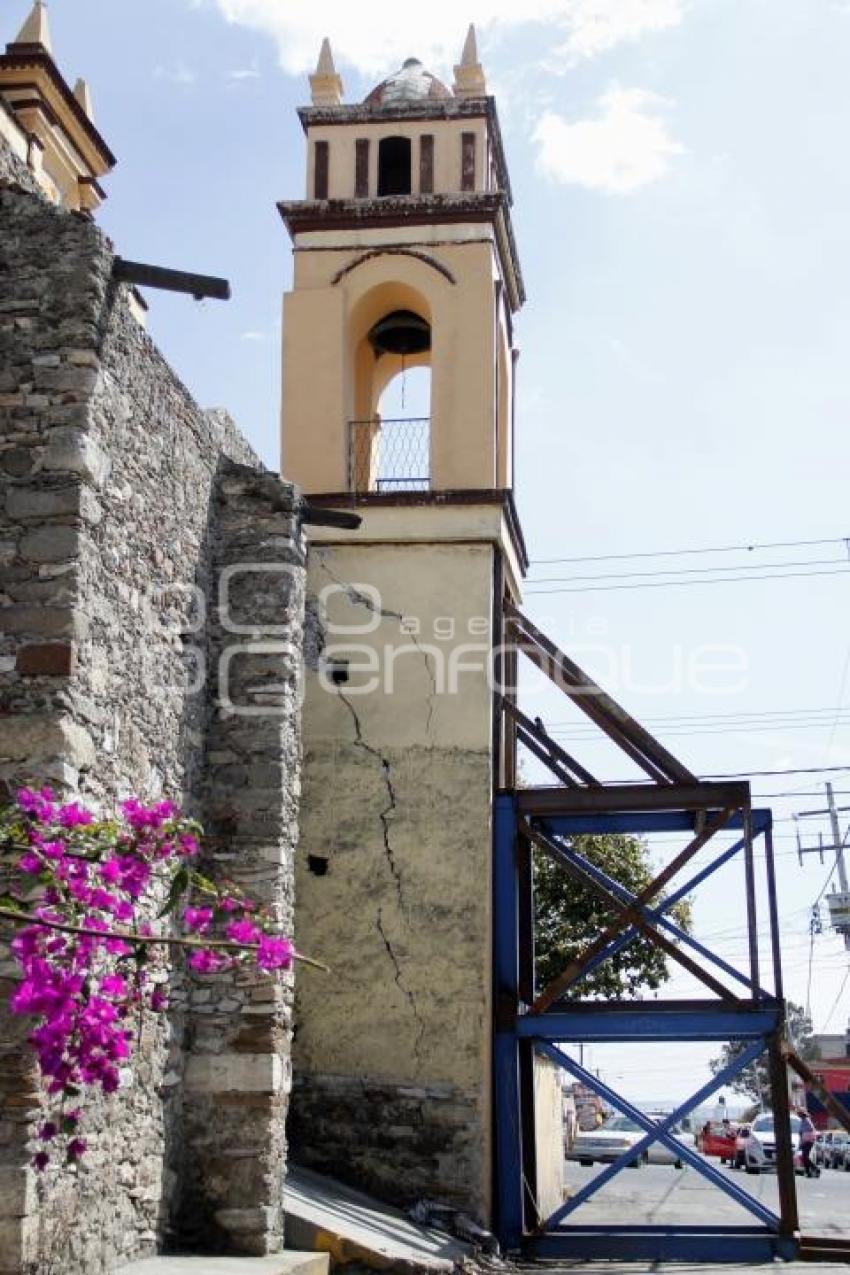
x: 411, y: 84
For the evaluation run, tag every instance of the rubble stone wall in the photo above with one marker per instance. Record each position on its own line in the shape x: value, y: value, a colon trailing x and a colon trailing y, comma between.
x: 121, y: 504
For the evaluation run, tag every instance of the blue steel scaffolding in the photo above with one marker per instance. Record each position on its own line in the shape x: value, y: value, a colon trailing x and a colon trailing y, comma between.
x: 531, y: 1021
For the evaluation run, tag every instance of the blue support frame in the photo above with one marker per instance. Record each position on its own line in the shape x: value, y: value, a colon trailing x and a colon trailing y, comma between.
x: 757, y: 1020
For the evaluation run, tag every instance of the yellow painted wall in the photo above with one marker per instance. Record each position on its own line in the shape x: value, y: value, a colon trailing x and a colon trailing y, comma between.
x: 418, y: 880
x: 325, y: 326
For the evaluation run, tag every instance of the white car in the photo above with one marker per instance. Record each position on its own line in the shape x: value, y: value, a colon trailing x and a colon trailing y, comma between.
x: 615, y: 1136
x: 760, y: 1146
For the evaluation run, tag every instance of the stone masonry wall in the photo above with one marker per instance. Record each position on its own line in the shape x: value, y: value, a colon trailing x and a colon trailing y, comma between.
x: 121, y: 505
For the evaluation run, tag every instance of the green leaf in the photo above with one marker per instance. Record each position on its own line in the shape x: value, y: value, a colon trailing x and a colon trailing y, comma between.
x: 179, y: 886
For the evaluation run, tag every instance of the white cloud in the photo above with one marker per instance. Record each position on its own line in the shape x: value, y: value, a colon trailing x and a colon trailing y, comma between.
x: 624, y: 147
x: 376, y: 35
x: 180, y: 74
x: 254, y: 335
x: 240, y: 73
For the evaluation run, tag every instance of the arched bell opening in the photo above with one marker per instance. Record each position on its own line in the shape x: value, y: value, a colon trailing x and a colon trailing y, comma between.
x: 390, y: 433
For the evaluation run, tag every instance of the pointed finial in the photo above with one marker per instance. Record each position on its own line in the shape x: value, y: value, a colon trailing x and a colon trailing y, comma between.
x: 325, y: 83
x: 83, y: 96
x: 325, y: 64
x: 469, y: 74
x: 35, y: 30
x: 469, y: 56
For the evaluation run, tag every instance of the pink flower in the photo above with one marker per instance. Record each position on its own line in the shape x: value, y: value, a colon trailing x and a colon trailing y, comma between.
x: 204, y: 961
x: 30, y: 863
x: 110, y: 871
x: 113, y: 985
x: 77, y: 1147
x: 242, y: 932
x: 188, y: 845
x: 53, y: 849
x: 229, y: 904
x: 41, y: 1161
x: 48, y: 1131
x: 37, y: 804
x: 74, y: 815
x: 274, y: 953
x: 198, y: 920
x: 159, y: 999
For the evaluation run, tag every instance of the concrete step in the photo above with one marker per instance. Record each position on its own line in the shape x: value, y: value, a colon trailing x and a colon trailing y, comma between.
x: 287, y: 1263
x: 326, y: 1216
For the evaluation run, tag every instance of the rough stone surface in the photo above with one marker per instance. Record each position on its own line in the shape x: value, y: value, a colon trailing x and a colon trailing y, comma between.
x: 122, y: 503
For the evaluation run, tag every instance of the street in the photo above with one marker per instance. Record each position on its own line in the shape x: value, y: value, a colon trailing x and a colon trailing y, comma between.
x: 658, y: 1193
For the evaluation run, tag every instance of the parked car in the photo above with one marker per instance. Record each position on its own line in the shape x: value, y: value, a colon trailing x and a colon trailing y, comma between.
x: 717, y: 1138
x: 836, y: 1149
x: 760, y: 1145
x: 658, y: 1153
x: 614, y: 1136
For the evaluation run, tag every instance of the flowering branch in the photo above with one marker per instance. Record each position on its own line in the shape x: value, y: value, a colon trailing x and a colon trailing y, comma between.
x: 78, y: 889
x: 132, y: 936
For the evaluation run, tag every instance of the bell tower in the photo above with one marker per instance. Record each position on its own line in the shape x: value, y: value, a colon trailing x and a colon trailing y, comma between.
x: 404, y: 258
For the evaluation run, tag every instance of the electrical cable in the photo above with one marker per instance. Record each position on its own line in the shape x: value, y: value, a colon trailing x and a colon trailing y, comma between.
x: 676, y: 553
x: 828, y: 1018
x: 686, y: 571
x: 680, y: 584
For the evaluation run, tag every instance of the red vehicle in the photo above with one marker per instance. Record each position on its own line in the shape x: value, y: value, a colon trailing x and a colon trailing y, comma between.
x: 717, y: 1137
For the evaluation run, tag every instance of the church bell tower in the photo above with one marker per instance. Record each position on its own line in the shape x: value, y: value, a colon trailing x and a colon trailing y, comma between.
x: 404, y: 258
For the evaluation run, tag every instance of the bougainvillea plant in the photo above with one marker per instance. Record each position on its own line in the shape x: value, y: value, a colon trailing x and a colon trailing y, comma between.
x: 96, y: 904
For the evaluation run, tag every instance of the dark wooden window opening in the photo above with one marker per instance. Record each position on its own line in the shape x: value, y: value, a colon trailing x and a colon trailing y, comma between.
x: 320, y: 172
x: 426, y: 164
x: 361, y: 168
x: 394, y: 166
x: 467, y: 161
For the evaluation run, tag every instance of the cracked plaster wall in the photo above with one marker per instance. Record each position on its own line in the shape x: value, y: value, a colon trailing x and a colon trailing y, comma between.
x: 392, y: 1054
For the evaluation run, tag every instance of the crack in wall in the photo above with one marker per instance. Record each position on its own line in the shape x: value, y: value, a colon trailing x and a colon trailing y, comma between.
x: 362, y: 599
x: 384, y: 814
x: 405, y: 991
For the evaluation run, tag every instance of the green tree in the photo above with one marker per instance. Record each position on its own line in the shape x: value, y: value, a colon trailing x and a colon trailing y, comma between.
x: 754, y: 1080
x: 568, y: 916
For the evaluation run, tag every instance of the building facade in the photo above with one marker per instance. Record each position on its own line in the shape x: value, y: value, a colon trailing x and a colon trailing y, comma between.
x: 404, y: 258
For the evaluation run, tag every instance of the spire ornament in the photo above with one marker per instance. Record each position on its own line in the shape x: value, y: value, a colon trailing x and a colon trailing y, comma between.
x: 35, y: 29
x: 325, y: 83
x: 469, y: 73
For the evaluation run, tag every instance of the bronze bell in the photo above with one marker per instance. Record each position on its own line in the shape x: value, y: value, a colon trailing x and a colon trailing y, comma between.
x: 401, y: 332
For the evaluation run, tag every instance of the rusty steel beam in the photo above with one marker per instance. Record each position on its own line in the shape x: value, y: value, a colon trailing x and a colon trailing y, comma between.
x: 537, y: 730
x: 633, y: 797
x: 611, y: 717
x: 835, y: 1108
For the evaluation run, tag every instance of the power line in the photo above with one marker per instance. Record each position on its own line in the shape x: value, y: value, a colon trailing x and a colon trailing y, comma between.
x: 680, y: 584
x: 828, y: 1018
x: 739, y: 713
x: 686, y: 571
x: 734, y: 728
x: 677, y: 553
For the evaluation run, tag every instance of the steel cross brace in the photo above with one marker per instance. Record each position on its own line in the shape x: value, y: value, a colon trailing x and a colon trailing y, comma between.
x: 629, y: 916
x: 619, y: 943
x: 658, y: 1133
x: 653, y: 916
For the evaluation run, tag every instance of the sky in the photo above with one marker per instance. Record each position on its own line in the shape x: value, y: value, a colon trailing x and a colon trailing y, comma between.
x: 681, y: 206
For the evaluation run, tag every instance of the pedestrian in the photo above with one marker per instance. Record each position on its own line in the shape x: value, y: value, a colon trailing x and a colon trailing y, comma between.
x: 808, y: 1135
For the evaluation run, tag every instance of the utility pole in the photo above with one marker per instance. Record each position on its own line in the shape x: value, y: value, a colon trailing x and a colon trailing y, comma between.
x: 837, y: 900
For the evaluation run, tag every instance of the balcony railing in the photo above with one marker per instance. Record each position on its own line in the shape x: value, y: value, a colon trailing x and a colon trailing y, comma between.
x: 390, y: 455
